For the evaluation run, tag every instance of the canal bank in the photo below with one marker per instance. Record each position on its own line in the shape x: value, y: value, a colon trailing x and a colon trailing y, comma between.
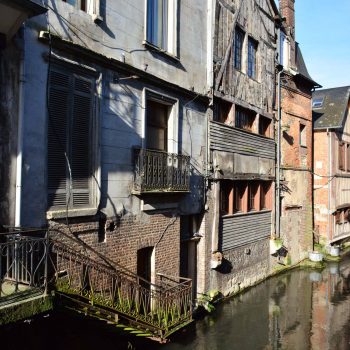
x: 299, y: 309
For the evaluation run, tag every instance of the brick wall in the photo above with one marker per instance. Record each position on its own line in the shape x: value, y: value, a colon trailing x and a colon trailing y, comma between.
x: 297, y: 164
x: 321, y: 167
x: 124, y: 237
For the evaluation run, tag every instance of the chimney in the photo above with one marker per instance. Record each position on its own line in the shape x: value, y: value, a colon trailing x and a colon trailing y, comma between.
x: 288, y: 12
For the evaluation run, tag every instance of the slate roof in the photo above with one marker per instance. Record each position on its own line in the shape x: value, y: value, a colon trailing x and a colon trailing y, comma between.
x: 301, y: 66
x: 334, y: 108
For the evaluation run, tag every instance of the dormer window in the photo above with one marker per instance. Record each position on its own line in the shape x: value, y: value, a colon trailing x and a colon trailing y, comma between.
x: 317, y: 102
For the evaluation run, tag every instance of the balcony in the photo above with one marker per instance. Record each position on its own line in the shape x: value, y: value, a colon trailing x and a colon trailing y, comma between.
x: 157, y: 171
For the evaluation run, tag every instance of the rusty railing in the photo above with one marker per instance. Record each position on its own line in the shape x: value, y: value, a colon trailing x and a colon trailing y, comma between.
x: 157, y: 171
x: 158, y: 308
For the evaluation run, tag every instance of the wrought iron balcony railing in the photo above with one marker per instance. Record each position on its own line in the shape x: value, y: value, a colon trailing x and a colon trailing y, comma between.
x: 157, y: 171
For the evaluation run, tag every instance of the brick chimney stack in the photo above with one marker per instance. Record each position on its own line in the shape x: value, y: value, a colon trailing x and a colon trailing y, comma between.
x: 288, y: 12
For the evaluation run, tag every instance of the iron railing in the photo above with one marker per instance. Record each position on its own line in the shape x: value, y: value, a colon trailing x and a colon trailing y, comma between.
x: 159, y: 309
x: 46, y: 264
x: 157, y: 171
x: 23, y: 264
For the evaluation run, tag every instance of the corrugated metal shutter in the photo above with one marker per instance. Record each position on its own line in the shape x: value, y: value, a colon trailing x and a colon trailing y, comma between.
x: 238, y: 231
x: 70, y: 107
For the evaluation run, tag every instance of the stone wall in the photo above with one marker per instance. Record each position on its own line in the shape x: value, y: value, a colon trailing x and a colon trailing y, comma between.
x: 242, y: 267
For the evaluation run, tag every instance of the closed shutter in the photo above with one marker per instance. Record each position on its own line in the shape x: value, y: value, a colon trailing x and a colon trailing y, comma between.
x: 70, y: 107
x: 80, y: 141
x: 57, y: 138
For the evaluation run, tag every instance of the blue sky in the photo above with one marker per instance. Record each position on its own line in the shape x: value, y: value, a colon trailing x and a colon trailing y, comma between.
x: 322, y: 30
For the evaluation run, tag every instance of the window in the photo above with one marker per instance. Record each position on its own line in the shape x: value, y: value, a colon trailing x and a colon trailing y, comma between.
x: 265, y: 196
x: 252, y: 50
x: 226, y: 197
x: 70, y: 151
x: 252, y: 196
x: 89, y: 6
x: 302, y: 135
x: 341, y: 156
x: 157, y: 126
x: 238, y: 45
x: 239, y: 192
x: 264, y: 126
x: 223, y: 112
x: 348, y: 157
x: 244, y: 196
x: 244, y: 119
x: 281, y: 48
x: 317, y: 102
x: 161, y: 24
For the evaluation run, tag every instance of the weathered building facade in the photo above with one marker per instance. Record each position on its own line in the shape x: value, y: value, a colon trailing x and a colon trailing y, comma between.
x: 114, y: 127
x: 240, y: 216
x: 294, y: 223
x: 12, y: 15
x: 332, y: 164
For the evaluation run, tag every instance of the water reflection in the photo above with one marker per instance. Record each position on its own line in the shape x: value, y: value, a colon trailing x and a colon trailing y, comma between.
x: 302, y: 309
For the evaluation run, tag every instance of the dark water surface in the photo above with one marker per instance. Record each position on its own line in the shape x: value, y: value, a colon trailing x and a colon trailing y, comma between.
x: 301, y: 309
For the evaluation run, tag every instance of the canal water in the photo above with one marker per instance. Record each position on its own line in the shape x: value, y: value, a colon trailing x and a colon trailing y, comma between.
x: 300, y: 309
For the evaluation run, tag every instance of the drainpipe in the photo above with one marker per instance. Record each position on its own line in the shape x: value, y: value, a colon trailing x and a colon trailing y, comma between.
x: 278, y: 175
x: 329, y: 186
x: 19, y: 158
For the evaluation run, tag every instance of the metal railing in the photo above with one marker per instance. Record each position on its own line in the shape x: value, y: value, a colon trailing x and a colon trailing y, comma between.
x: 157, y: 171
x: 160, y: 309
x: 23, y: 264
x: 46, y: 264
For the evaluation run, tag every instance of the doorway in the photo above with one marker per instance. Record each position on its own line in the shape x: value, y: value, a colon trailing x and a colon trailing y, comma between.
x: 144, y: 266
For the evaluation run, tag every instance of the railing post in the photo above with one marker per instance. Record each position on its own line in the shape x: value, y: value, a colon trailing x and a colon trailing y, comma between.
x: 16, y: 265
x: 46, y: 246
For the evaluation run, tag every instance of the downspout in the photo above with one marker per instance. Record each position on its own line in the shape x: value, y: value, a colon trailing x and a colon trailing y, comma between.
x: 278, y: 175
x: 19, y: 158
x: 329, y: 186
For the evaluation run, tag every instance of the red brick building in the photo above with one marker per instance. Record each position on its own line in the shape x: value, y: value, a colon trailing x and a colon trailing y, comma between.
x: 294, y: 224
x: 331, y: 164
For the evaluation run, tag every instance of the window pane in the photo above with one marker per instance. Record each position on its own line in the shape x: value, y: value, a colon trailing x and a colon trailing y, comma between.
x: 238, y: 44
x: 157, y: 23
x: 252, y: 48
x: 157, y: 122
x: 341, y: 160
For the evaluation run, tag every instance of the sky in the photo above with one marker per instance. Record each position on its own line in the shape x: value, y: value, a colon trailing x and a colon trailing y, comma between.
x: 322, y: 30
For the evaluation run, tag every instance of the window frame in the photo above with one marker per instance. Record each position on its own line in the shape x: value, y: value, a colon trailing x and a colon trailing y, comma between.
x: 341, y: 155
x: 92, y: 7
x: 244, y: 118
x: 238, y: 48
x: 302, y: 135
x: 168, y: 42
x: 265, y: 195
x: 264, y: 126
x: 173, y: 118
x: 252, y: 58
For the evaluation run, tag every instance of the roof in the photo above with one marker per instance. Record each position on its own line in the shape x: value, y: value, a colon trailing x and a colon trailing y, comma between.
x: 301, y: 66
x: 333, y: 111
